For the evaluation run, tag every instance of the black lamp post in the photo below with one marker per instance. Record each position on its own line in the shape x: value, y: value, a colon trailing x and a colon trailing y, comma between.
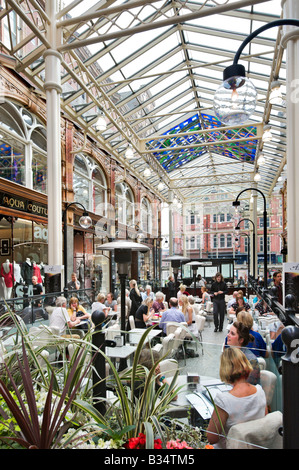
x: 253, y: 242
x: 176, y: 261
x: 248, y: 259
x: 84, y: 221
x: 123, y: 257
x: 237, y: 203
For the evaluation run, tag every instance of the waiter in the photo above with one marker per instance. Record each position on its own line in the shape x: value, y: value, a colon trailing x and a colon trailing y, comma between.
x: 218, y: 291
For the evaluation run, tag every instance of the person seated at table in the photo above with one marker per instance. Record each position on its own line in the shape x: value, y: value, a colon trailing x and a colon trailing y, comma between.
x: 100, y: 304
x: 239, y: 303
x: 148, y: 293
x: 196, y: 307
x: 144, y: 313
x: 205, y: 297
x: 77, y: 311
x: 61, y: 318
x: 148, y: 358
x: 182, y: 291
x: 233, y: 300
x: 262, y: 307
x: 158, y: 304
x: 189, y: 314
x: 258, y: 345
x: 110, y: 302
x: 244, y: 296
x: 244, y: 402
x: 239, y: 336
x: 275, y: 328
x: 172, y: 314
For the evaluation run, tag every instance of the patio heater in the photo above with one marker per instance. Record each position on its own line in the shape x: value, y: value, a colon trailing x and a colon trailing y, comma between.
x: 176, y: 261
x: 194, y: 265
x: 123, y: 257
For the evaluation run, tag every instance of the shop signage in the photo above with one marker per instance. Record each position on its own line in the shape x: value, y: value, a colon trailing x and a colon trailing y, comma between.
x: 24, y: 205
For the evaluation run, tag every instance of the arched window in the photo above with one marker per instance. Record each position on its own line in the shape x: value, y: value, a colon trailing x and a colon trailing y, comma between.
x: 89, y: 184
x: 146, y: 216
x: 23, y: 145
x: 124, y: 204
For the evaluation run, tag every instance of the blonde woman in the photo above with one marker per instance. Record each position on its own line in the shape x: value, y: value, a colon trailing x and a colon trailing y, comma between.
x: 244, y: 402
x: 182, y: 291
x: 134, y: 296
x: 189, y: 314
x: 144, y: 313
x: 77, y: 311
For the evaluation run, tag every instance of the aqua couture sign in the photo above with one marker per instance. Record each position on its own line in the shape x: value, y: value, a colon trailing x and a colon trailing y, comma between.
x: 24, y: 205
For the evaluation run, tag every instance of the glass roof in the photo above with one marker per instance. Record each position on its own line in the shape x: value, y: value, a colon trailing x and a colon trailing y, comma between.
x: 153, y: 69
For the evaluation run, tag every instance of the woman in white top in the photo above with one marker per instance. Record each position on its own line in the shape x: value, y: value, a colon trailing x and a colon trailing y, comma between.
x: 244, y: 402
x: 189, y: 314
x: 205, y: 297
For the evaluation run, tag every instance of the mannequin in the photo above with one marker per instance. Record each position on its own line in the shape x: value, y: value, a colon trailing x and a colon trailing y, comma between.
x: 36, y: 272
x: 17, y: 273
x: 27, y: 271
x: 7, y: 274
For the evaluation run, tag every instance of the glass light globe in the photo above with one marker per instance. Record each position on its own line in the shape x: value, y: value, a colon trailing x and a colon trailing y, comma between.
x: 261, y: 160
x: 85, y: 221
x: 101, y: 124
x: 160, y: 186
x: 147, y: 172
x: 275, y: 94
x: 129, y: 152
x: 235, y: 100
x: 257, y: 177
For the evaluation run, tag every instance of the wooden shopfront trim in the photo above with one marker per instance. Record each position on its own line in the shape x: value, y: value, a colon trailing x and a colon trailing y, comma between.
x: 21, y: 202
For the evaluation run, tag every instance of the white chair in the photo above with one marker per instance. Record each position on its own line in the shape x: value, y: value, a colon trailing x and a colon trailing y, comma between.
x: 179, y: 338
x: 165, y: 348
x: 132, y: 322
x: 258, y: 433
x: 200, y: 323
x: 268, y: 383
x: 262, y: 363
x: 169, y: 367
x: 208, y: 312
x: 171, y: 326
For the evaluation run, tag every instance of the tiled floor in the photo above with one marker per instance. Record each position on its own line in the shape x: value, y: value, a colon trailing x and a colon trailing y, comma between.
x: 208, y: 362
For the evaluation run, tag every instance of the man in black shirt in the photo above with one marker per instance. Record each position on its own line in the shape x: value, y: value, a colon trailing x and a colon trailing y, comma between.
x: 218, y: 291
x: 171, y: 287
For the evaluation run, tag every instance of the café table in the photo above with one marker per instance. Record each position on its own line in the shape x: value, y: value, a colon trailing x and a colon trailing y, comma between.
x: 136, y: 333
x: 121, y: 352
x: 196, y: 397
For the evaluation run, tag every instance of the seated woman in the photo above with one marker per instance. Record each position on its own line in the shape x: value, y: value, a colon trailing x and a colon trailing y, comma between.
x: 189, y: 314
x: 239, y: 337
x: 240, y: 302
x: 245, y: 402
x: 77, y: 311
x: 158, y: 304
x: 205, y: 297
x: 144, y: 313
x: 258, y: 345
x: 110, y: 302
x: 182, y: 291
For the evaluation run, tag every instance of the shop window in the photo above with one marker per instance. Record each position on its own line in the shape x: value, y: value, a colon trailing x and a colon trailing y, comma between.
x: 89, y: 184
x: 23, y: 157
x: 124, y: 204
x: 146, y: 216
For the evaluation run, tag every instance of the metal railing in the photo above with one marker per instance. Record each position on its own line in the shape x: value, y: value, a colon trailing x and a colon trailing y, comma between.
x: 287, y: 314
